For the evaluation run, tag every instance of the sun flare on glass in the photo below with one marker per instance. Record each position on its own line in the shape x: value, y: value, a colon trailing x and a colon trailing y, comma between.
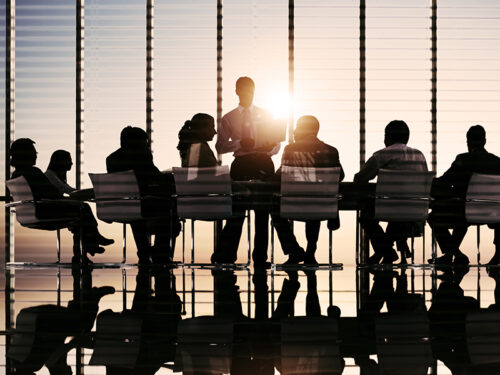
x: 278, y: 103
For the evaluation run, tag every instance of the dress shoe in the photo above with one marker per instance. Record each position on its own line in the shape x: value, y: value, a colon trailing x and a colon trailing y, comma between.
x: 104, y: 241
x: 494, y: 261
x: 93, y: 250
x: 391, y: 257
x: 461, y: 259
x: 295, y: 257
x: 375, y: 258
x: 262, y: 264
x: 310, y: 259
x: 446, y: 259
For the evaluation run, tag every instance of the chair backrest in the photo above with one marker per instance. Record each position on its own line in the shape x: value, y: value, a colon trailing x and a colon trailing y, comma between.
x: 309, y: 193
x: 203, y: 193
x: 21, y: 192
x: 117, y: 196
x: 482, y: 203
x: 402, y: 195
x: 483, y: 336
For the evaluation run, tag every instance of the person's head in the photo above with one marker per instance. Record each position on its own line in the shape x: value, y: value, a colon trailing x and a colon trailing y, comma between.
x: 476, y: 137
x: 245, y: 88
x: 22, y: 153
x: 60, y: 161
x: 133, y: 137
x: 307, y: 126
x: 396, y: 132
x: 201, y: 128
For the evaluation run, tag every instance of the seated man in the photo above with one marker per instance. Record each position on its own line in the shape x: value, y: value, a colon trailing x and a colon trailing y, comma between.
x: 135, y: 154
x: 449, y: 192
x: 396, y: 155
x: 306, y: 151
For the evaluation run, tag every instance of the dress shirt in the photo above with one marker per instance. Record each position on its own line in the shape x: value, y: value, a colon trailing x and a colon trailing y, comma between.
x: 232, y: 130
x: 396, y: 156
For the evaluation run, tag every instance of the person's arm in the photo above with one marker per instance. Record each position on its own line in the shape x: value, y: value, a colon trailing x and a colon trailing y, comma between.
x: 369, y: 171
x: 335, y: 161
x: 224, y: 143
x: 59, y: 184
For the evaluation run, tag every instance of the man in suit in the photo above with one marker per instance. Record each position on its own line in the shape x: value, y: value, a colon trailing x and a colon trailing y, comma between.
x: 448, y: 211
x: 135, y: 154
x: 238, y: 132
x: 395, y: 155
x: 306, y: 151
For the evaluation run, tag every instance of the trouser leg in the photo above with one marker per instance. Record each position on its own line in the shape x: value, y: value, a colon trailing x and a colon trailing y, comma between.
x: 261, y: 237
x: 380, y: 243
x: 139, y: 230
x: 287, y: 239
x: 312, y: 235
x: 229, y: 241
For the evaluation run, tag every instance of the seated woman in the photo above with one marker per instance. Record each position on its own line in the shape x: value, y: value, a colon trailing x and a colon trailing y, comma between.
x: 193, y: 137
x: 23, y: 158
x: 60, y: 163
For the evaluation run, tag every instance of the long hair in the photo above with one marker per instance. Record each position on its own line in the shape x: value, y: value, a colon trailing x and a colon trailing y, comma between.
x: 58, y: 163
x: 199, y: 129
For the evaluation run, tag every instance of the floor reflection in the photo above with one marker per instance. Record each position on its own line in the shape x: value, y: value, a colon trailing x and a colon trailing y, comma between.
x: 200, y: 321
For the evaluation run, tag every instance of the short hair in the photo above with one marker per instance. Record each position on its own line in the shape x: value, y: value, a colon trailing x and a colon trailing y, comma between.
x: 132, y: 136
x: 397, y: 131
x: 307, y: 125
x: 244, y: 82
x: 21, y: 152
x: 476, y: 135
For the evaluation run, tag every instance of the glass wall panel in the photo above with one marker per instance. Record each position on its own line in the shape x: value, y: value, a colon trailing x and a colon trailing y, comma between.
x: 185, y: 82
x: 468, y: 85
x: 2, y: 123
x: 327, y: 86
x: 398, y: 73
x: 45, y: 97
x: 115, y: 87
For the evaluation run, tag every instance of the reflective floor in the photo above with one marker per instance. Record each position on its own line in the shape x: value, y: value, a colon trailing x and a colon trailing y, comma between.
x: 201, y: 321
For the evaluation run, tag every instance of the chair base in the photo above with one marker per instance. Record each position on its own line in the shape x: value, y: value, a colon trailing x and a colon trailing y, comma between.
x: 320, y: 266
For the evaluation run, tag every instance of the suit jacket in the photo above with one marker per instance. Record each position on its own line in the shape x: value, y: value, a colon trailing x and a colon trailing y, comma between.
x: 198, y: 155
x: 38, y: 182
x: 311, y: 152
x: 141, y: 162
x: 458, y: 175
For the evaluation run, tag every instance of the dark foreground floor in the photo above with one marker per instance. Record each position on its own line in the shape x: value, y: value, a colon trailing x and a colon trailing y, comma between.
x: 200, y: 321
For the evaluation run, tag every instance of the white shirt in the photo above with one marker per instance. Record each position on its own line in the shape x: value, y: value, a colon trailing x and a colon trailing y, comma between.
x: 230, y: 132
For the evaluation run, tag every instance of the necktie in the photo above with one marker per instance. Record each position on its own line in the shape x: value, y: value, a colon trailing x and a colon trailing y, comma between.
x: 247, y: 124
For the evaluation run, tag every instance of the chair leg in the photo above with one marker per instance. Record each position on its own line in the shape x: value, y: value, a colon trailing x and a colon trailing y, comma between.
x: 357, y: 239
x: 183, y: 242
x: 124, y: 244
x: 330, y: 255
x: 124, y: 289
x: 192, y: 241
x: 478, y: 240
x: 423, y: 244
x: 249, y: 233
x: 58, y: 233
x: 272, y: 242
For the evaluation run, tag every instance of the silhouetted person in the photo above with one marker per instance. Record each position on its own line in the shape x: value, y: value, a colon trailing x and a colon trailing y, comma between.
x: 41, y: 331
x: 448, y: 211
x: 447, y: 315
x: 306, y: 151
x: 157, y: 312
x: 135, y: 154
x: 237, y: 134
x: 396, y: 155
x: 60, y: 163
x: 23, y: 159
x: 193, y: 137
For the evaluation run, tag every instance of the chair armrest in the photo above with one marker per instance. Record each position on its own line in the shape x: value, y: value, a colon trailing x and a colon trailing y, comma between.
x: 19, y: 203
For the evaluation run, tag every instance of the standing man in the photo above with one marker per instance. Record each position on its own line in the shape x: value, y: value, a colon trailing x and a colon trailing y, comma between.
x: 395, y: 155
x: 238, y: 132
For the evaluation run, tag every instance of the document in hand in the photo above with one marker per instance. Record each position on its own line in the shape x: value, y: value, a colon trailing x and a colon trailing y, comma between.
x: 270, y: 131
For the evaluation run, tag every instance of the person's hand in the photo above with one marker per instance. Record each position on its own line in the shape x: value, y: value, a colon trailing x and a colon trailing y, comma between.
x: 266, y: 147
x: 247, y: 143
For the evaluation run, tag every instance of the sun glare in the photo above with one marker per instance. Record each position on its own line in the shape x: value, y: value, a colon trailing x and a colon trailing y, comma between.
x: 278, y: 103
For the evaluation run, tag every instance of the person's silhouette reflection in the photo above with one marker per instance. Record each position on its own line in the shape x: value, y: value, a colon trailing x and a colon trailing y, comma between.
x: 155, y: 316
x: 447, y: 316
x: 41, y: 331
